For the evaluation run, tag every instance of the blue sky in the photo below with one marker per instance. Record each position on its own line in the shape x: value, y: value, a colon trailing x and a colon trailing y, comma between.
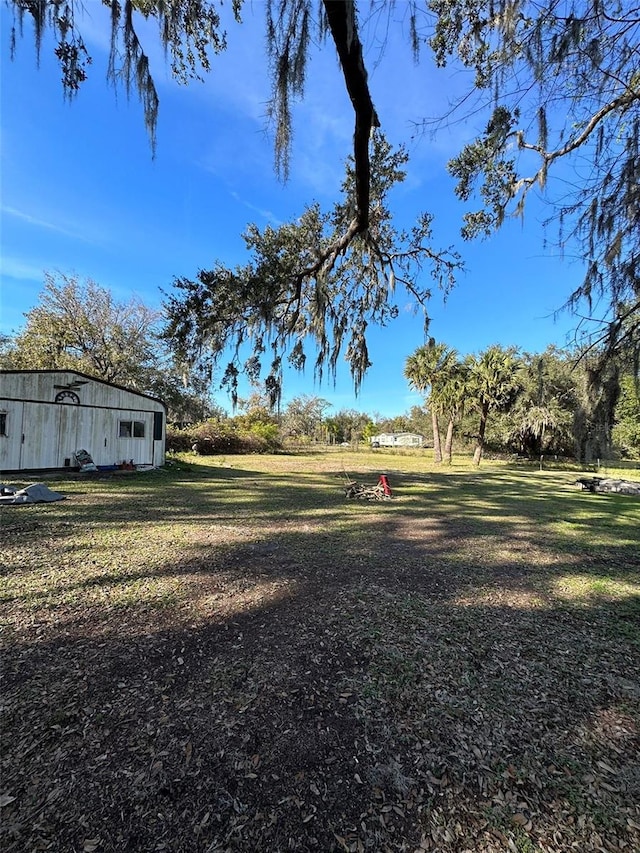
x: 82, y: 195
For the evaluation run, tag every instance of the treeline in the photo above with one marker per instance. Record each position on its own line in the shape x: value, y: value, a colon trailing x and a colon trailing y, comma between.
x: 557, y: 402
x: 547, y: 409
x: 567, y: 403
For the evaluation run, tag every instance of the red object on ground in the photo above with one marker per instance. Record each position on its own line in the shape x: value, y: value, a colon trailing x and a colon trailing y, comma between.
x: 385, y: 485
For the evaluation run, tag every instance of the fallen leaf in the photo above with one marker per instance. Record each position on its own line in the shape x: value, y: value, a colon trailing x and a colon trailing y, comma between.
x: 341, y: 842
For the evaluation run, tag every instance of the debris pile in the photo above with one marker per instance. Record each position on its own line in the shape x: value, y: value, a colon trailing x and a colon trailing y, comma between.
x: 609, y: 484
x: 357, y: 491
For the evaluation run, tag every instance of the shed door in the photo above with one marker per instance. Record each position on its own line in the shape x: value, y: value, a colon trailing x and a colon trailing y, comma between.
x: 39, y: 436
x: 158, y: 438
x: 157, y: 426
x: 101, y: 441
x: 11, y: 442
x: 67, y: 444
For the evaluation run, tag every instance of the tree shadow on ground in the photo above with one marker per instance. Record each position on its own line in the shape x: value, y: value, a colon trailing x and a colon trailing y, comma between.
x: 369, y: 677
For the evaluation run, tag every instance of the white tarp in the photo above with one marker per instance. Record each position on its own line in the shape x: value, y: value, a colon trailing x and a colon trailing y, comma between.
x: 34, y: 494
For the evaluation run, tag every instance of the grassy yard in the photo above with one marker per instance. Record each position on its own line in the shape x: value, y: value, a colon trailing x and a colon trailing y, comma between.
x: 227, y: 655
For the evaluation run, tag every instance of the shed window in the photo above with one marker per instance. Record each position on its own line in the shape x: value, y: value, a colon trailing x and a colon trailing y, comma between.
x: 3, y: 423
x: 131, y: 429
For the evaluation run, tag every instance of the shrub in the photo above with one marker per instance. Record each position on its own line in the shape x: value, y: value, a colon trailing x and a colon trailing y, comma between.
x: 217, y: 436
x: 178, y: 440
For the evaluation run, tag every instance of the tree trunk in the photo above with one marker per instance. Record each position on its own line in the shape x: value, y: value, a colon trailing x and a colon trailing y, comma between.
x: 448, y: 442
x: 477, y: 454
x: 437, y: 447
x: 341, y: 17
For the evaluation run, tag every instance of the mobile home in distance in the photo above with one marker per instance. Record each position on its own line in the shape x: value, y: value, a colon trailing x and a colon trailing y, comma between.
x: 397, y: 439
x: 48, y: 415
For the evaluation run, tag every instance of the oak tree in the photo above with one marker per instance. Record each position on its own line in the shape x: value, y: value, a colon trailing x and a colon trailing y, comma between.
x: 562, y: 80
x: 559, y: 79
x: 302, y: 286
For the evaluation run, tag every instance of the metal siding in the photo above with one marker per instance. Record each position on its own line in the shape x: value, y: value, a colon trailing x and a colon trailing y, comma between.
x: 96, y: 434
x: 138, y: 449
x: 85, y: 438
x: 158, y: 453
x: 92, y: 392
x: 108, y: 396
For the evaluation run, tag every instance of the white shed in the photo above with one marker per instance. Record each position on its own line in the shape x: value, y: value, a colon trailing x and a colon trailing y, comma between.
x: 397, y: 439
x: 47, y: 415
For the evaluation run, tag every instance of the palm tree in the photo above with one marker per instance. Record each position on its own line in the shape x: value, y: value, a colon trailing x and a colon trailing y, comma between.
x: 492, y: 386
x: 449, y: 395
x: 423, y: 369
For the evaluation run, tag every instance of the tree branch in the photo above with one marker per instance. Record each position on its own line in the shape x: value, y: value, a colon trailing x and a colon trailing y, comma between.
x: 549, y: 156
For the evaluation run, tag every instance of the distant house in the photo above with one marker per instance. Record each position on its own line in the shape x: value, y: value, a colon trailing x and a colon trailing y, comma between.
x: 397, y: 439
x: 47, y: 415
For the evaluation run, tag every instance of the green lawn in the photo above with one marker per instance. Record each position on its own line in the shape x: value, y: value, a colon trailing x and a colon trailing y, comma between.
x: 227, y: 655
